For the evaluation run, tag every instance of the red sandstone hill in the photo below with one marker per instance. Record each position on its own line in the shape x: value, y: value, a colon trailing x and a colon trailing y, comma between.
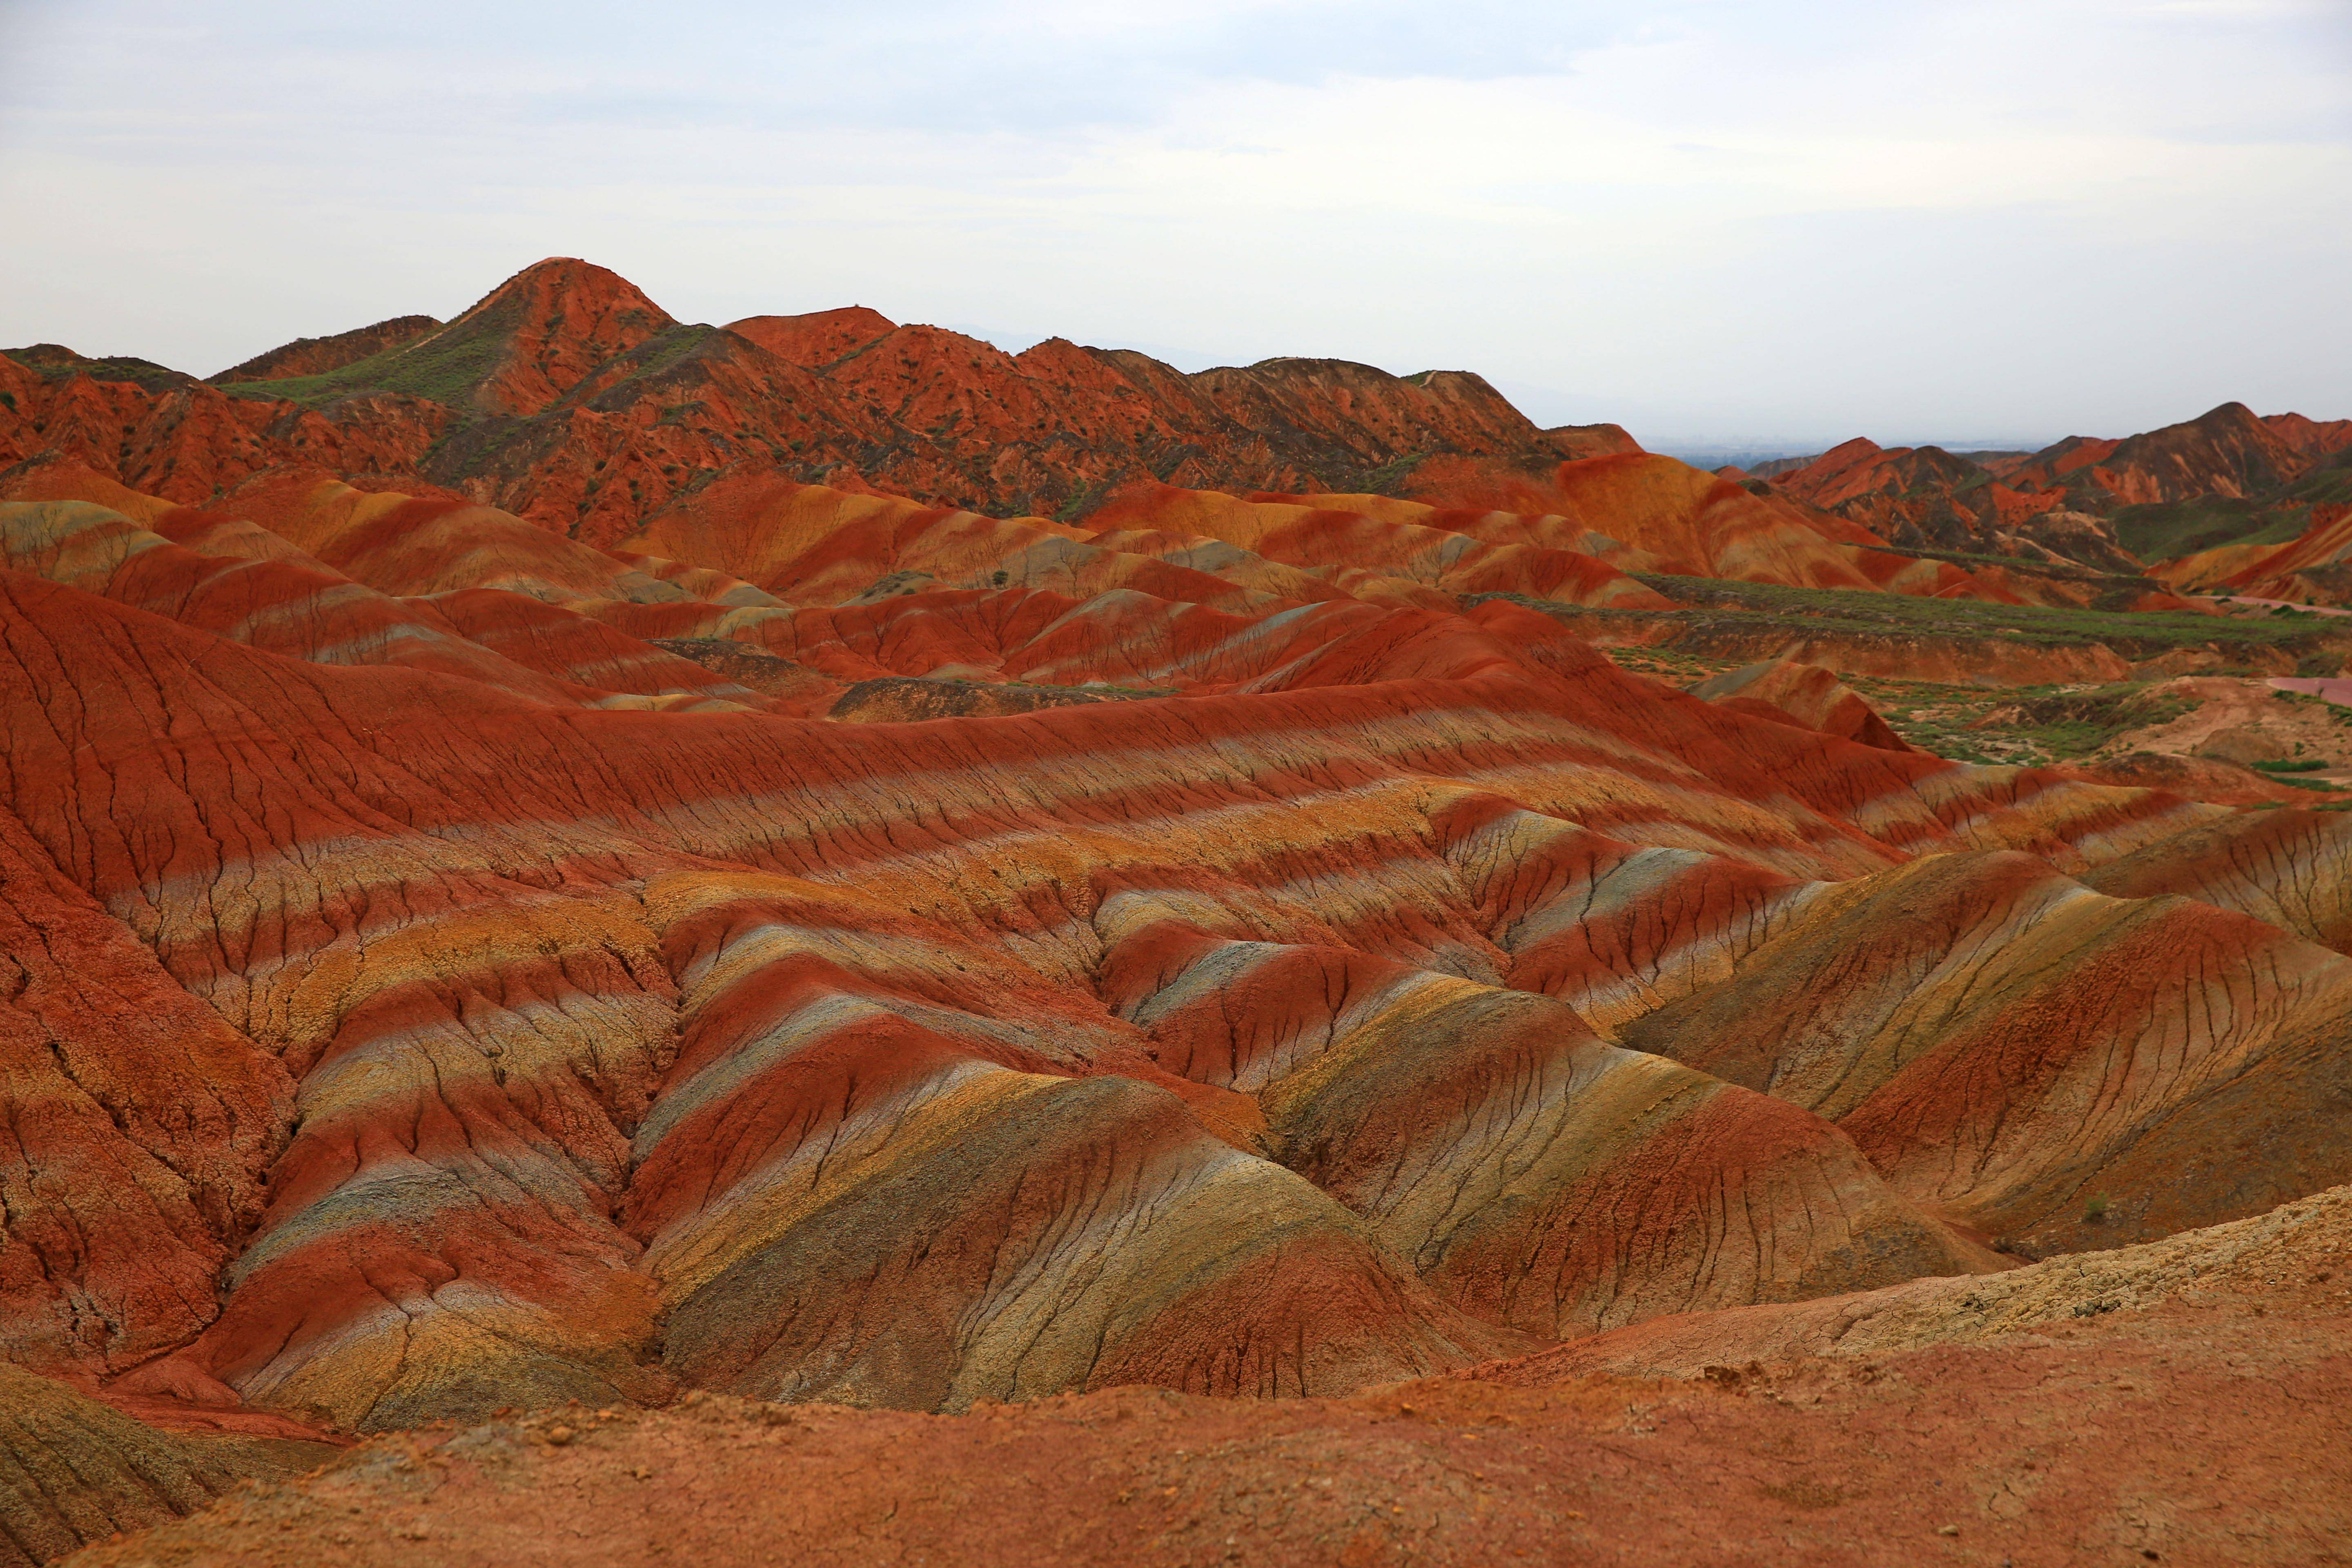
x: 800, y: 944
x: 2105, y: 504
x: 2227, y: 451
x: 567, y: 397
x: 621, y: 407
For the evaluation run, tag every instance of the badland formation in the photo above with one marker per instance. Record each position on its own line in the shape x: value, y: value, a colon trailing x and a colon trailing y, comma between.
x: 633, y: 942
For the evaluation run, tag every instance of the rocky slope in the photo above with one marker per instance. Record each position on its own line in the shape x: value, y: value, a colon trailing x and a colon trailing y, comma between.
x: 586, y: 1041
x: 73, y: 1468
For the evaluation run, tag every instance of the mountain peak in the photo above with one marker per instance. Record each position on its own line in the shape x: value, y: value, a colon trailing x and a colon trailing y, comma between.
x: 570, y: 280
x: 2226, y: 415
x: 558, y: 320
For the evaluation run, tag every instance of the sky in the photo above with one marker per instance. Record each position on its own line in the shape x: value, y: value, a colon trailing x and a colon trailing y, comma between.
x: 1763, y: 226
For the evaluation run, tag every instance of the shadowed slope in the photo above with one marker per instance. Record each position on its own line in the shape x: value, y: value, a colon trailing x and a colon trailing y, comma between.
x: 2291, y: 869
x: 73, y: 1471
x: 2009, y: 1047
x: 1533, y: 1173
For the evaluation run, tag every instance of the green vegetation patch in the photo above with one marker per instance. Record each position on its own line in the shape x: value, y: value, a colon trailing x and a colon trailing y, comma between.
x: 2028, y: 726
x: 2013, y: 562
x: 2031, y: 725
x: 2163, y: 530
x: 444, y: 368
x: 1384, y: 479
x: 50, y: 363
x: 2133, y: 634
x: 2069, y: 724
x: 2336, y: 710
x: 662, y: 355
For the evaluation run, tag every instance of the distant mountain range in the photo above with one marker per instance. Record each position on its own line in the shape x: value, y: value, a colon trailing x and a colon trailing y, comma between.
x: 568, y: 396
x: 2227, y: 477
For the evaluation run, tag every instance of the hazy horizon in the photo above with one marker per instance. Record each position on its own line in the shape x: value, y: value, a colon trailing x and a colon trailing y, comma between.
x: 1764, y: 226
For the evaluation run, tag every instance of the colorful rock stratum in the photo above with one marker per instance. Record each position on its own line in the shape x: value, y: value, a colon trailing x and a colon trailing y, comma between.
x: 530, y: 877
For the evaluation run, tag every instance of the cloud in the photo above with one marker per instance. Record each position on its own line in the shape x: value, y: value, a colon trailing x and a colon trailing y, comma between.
x: 1989, y: 215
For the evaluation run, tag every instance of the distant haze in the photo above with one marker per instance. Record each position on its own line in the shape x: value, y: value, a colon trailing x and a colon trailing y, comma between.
x: 1760, y: 226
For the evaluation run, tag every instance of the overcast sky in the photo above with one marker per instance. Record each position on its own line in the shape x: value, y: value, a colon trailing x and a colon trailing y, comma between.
x: 1780, y: 222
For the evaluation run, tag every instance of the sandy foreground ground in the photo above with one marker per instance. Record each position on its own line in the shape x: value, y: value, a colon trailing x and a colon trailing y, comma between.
x: 2187, y: 1402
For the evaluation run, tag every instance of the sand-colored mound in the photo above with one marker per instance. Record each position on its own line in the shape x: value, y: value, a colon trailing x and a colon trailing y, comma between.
x: 1806, y: 695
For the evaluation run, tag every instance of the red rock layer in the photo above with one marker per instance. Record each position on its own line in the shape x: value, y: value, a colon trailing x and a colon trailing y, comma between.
x: 616, y: 1029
